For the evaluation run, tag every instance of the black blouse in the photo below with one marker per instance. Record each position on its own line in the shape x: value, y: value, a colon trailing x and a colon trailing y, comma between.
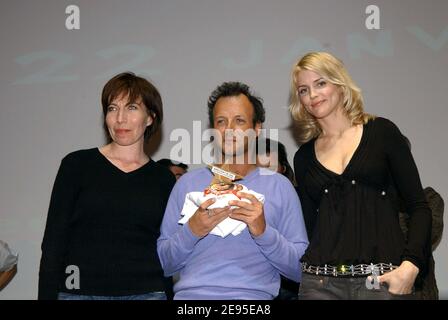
x: 352, y: 218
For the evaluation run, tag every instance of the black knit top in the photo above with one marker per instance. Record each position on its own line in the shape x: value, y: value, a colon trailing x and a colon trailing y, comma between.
x: 352, y: 217
x: 105, y: 222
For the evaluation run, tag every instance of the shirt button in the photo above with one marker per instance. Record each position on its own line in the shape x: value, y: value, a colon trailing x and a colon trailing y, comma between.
x: 353, y: 182
x: 383, y: 193
x: 326, y: 190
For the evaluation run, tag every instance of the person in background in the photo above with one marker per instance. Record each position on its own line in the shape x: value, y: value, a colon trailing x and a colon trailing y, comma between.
x: 107, y: 205
x: 8, y: 264
x: 272, y: 154
x: 177, y: 168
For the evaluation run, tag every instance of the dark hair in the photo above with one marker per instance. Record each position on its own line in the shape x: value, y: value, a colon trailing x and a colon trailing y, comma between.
x: 282, y: 156
x: 135, y: 87
x: 233, y: 89
x: 170, y: 163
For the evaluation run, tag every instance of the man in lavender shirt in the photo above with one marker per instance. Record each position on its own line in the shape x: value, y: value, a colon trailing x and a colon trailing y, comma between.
x: 248, y: 265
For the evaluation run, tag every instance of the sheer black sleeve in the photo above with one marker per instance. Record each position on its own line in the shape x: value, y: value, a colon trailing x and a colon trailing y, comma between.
x: 309, y: 208
x: 407, y: 180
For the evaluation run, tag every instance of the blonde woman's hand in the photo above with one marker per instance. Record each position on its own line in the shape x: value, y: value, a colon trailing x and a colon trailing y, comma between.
x: 401, y: 280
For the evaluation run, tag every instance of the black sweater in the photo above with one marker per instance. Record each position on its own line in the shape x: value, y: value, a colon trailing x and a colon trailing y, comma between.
x: 352, y: 218
x: 106, y: 222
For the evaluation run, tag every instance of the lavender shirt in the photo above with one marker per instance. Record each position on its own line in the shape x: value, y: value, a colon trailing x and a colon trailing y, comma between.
x: 234, y: 267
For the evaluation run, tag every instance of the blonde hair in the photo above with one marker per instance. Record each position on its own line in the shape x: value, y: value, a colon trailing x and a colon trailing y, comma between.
x: 333, y: 70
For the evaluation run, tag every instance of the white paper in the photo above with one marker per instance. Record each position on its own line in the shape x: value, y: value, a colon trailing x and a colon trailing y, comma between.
x: 194, y: 199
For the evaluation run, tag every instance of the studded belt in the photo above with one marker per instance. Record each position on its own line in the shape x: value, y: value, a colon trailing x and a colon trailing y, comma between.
x: 349, y: 270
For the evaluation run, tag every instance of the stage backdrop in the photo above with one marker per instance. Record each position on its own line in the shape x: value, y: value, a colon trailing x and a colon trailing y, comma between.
x: 53, y: 67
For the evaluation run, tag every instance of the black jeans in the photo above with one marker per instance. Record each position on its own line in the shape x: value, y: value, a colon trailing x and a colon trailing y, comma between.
x: 314, y: 287
x: 289, y: 290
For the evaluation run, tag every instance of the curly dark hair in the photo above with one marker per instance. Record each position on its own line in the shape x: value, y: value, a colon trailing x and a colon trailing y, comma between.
x: 233, y: 89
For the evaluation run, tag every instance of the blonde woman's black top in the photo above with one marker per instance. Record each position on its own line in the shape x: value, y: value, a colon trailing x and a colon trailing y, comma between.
x: 352, y: 218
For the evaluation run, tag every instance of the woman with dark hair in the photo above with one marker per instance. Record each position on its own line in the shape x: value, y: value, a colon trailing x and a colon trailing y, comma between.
x: 346, y: 169
x: 107, y: 205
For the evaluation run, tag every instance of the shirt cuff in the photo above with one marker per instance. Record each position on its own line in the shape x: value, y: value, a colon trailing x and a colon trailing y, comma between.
x: 267, y: 238
x: 187, y: 238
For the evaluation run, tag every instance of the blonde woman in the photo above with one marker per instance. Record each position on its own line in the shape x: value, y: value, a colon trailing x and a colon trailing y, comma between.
x: 351, y: 169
